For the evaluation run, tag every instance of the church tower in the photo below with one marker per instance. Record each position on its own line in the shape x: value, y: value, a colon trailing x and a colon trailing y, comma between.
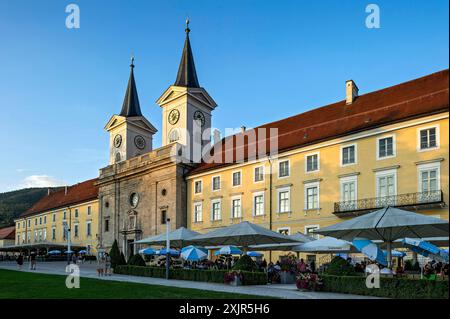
x: 186, y: 105
x: 130, y: 133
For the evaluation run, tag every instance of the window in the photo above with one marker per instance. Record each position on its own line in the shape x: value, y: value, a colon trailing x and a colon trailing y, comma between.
x: 89, y: 210
x: 428, y: 138
x: 259, y: 174
x: 107, y: 225
x: 54, y: 217
x: 312, y: 196
x: 23, y: 237
x: 40, y: 235
x: 236, y: 178
x: 45, y: 219
x: 23, y: 224
x: 174, y: 136
x: 349, y: 155
x: 386, y: 188
x: 76, y: 213
x: 309, y: 231
x: 429, y: 180
x: 386, y: 147
x: 64, y: 215
x: 35, y: 221
x: 18, y: 239
x: 198, y: 187
x: 284, y: 205
x: 29, y: 222
x: 284, y: 231
x: 216, y: 183
x: 88, y: 229
x: 216, y: 213
x: 35, y: 235
x: 64, y: 233
x: 44, y: 234
x: 283, y: 169
x: 236, y: 208
x: 258, y: 204
x: 53, y: 233
x: 40, y: 220
x: 312, y: 162
x: 198, y: 212
x: 18, y: 225
x: 75, y: 230
x: 348, y: 189
x: 163, y: 217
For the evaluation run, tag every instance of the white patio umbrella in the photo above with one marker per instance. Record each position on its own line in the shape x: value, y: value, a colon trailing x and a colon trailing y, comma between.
x: 178, y: 238
x: 324, y: 245
x: 243, y: 234
x: 388, y: 224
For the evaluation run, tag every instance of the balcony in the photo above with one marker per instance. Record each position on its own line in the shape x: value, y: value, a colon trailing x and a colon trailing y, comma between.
x: 426, y: 200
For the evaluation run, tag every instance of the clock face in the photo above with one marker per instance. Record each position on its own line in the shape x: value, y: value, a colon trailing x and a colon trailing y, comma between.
x: 139, y: 141
x: 174, y: 116
x: 134, y: 200
x: 199, y: 116
x: 117, y: 140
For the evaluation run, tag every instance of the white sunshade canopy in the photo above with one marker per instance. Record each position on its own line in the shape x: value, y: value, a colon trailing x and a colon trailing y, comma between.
x: 388, y: 224
x: 243, y: 234
x: 178, y: 238
x: 325, y: 245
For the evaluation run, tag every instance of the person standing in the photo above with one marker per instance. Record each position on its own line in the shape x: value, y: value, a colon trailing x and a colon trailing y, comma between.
x: 107, y: 265
x: 33, y: 261
x: 19, y: 261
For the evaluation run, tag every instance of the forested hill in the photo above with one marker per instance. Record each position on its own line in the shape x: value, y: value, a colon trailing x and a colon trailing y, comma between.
x: 14, y: 203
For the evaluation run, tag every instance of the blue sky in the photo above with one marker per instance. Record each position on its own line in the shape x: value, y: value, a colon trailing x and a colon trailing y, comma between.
x: 260, y: 60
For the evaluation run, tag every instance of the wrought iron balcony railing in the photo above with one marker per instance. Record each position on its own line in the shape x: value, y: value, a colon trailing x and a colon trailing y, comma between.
x: 402, y: 200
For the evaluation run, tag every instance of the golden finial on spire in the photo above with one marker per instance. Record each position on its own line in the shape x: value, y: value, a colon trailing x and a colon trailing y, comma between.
x: 187, y: 26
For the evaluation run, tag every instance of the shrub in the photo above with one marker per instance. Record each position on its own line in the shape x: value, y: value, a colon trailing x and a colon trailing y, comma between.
x: 245, y: 263
x: 408, y: 265
x: 116, y: 256
x: 136, y: 260
x: 249, y: 278
x: 339, y: 267
x: 390, y: 287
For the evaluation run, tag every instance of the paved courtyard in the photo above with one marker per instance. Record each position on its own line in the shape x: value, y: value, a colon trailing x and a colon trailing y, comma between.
x: 88, y: 270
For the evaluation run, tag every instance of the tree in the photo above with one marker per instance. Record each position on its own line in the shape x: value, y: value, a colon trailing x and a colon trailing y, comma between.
x: 340, y: 267
x: 245, y: 263
x: 136, y: 260
x: 116, y: 256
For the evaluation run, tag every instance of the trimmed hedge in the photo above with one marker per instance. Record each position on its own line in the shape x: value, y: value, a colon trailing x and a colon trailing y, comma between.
x: 390, y: 287
x: 250, y: 278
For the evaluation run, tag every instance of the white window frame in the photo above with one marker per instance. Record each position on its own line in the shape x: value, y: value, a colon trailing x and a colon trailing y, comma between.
x: 305, y: 194
x: 201, y: 186
x: 284, y: 228
x: 237, y: 197
x: 306, y: 162
x: 197, y: 204
x: 289, y: 168
x: 212, y: 183
x: 394, y: 147
x: 212, y: 209
x: 342, y: 154
x: 438, y: 137
x: 306, y: 232
x: 428, y: 167
x: 240, y: 178
x: 89, y: 210
x: 254, y: 204
x: 386, y: 173
x: 348, y: 179
x: 87, y: 228
x: 282, y: 190
x: 263, y: 173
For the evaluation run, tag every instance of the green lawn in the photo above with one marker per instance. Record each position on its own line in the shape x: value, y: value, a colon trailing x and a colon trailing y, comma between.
x: 17, y: 284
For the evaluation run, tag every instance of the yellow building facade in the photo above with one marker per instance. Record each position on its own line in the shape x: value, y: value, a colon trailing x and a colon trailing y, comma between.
x: 403, y: 164
x: 74, y: 208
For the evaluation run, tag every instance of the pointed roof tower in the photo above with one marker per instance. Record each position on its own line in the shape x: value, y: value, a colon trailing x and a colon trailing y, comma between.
x: 187, y: 76
x: 131, y: 105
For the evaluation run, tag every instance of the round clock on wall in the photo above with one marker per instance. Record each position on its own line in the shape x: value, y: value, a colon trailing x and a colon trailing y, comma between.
x: 139, y: 141
x: 199, y: 116
x: 174, y: 116
x: 117, y: 140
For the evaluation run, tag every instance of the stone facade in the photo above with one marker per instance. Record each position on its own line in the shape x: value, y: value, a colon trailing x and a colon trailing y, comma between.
x: 160, y: 185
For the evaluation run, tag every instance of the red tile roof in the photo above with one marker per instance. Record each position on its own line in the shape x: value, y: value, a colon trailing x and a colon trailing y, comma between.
x: 76, y: 194
x: 8, y: 232
x: 408, y: 100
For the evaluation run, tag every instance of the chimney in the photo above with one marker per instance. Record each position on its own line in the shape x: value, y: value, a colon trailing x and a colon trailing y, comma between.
x: 65, y: 190
x: 351, y: 91
x: 216, y: 136
x: 243, y: 128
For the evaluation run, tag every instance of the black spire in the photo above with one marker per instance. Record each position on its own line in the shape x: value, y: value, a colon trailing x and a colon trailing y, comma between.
x: 187, y: 76
x: 131, y: 105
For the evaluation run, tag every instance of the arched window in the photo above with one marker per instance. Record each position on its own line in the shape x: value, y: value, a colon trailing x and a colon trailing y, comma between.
x: 174, y: 135
x: 118, y: 158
